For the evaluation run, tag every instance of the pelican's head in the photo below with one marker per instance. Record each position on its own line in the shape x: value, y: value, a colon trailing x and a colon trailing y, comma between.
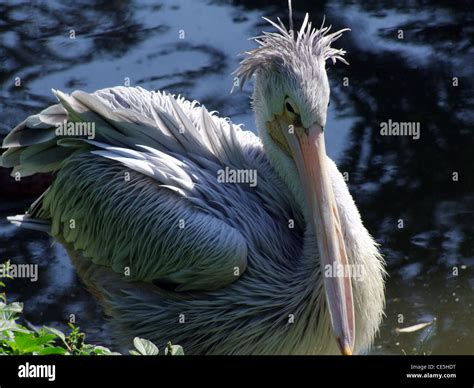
x: 290, y: 99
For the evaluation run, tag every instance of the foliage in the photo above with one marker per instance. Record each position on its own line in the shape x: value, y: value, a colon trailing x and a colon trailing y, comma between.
x: 16, y: 339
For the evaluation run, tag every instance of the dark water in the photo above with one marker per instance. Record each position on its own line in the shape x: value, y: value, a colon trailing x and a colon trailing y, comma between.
x: 394, y: 179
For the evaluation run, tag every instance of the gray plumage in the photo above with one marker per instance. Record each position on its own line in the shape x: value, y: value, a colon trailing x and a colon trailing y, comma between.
x: 171, y: 252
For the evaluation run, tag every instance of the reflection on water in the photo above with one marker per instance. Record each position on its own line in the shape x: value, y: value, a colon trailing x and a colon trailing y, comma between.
x: 406, y: 189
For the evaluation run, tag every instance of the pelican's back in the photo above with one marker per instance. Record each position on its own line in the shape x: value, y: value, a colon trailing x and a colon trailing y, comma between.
x: 137, y: 187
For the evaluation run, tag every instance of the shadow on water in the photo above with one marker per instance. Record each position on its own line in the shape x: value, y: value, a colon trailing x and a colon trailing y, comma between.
x: 415, y: 195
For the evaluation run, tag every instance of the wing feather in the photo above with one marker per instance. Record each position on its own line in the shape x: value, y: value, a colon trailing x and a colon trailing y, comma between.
x: 172, y: 149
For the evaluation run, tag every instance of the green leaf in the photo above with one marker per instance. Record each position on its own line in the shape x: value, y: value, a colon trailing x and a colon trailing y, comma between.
x: 173, y: 350
x: 9, y: 311
x: 103, y: 351
x: 56, y: 332
x: 15, y: 307
x: 45, y: 339
x: 6, y: 336
x: 12, y: 325
x: 145, y: 347
x: 52, y: 350
x: 30, y: 343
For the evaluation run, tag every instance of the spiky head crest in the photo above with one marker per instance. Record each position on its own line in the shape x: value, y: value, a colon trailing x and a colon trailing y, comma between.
x: 282, y: 48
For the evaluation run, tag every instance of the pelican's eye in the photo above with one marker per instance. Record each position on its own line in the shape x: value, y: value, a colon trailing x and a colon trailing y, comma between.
x: 291, y: 112
x: 290, y: 108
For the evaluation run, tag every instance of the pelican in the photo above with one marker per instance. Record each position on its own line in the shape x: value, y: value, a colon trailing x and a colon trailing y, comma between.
x: 173, y: 248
